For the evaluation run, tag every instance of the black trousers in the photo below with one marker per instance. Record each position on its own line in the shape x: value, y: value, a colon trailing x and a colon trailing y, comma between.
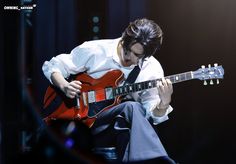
x: 125, y: 127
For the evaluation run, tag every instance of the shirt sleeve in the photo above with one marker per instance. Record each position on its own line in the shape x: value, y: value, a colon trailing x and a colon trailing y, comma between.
x: 67, y: 64
x: 150, y: 98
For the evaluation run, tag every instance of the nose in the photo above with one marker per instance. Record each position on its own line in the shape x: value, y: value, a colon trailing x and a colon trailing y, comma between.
x: 127, y: 56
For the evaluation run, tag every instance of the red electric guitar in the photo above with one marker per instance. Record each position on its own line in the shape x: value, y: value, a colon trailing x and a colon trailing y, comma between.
x: 103, y: 93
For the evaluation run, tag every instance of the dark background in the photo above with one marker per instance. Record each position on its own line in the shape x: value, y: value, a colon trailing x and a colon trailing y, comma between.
x: 196, y: 32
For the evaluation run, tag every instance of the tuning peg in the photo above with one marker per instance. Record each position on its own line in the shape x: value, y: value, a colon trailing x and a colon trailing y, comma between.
x: 217, y: 81
x: 211, y: 82
x: 205, y: 82
x: 216, y: 64
x: 203, y: 68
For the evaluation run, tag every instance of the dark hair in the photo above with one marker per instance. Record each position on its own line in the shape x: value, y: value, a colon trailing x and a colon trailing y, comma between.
x: 143, y: 31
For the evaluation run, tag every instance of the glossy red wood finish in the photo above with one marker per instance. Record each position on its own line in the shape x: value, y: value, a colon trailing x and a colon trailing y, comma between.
x: 110, y: 79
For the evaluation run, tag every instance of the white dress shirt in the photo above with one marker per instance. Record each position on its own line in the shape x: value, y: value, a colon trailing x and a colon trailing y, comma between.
x: 99, y: 56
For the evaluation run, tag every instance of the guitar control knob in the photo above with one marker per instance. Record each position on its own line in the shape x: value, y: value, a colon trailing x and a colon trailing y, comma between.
x: 217, y: 81
x: 78, y: 116
x: 209, y: 65
x: 216, y: 64
x: 203, y: 68
x: 205, y: 82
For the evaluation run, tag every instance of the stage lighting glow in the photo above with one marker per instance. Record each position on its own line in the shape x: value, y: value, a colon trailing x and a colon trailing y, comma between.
x: 69, y: 143
x: 95, y: 19
x: 95, y: 29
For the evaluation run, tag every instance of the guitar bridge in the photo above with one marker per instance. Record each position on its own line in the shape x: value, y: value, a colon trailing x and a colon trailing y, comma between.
x: 84, y: 99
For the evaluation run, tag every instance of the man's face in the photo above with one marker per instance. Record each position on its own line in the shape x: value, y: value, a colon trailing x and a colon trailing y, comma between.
x: 132, y: 55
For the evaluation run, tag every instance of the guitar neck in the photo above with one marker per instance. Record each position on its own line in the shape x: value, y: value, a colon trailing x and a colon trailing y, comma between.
x: 123, y: 90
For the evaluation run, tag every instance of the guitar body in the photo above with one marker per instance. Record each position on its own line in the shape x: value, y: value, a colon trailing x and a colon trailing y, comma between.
x: 94, y: 98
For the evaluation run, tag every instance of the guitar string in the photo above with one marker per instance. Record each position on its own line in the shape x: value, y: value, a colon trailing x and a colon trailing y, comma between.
x: 102, y: 92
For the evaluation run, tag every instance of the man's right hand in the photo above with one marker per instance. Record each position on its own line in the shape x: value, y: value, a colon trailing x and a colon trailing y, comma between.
x: 71, y: 89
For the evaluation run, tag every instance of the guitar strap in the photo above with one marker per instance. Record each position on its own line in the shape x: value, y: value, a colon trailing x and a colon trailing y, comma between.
x: 131, y: 79
x: 132, y: 75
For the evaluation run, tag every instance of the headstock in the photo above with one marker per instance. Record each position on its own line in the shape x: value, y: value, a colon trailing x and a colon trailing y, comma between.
x: 209, y: 73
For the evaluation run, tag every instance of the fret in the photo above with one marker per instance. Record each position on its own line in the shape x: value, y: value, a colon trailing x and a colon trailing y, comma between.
x: 149, y: 84
x: 183, y: 77
x: 135, y: 86
x: 154, y: 83
x: 139, y: 86
x: 172, y: 79
x: 130, y: 88
x: 121, y: 90
x: 189, y: 76
x: 126, y: 90
x: 117, y: 91
x: 177, y: 77
x: 144, y: 85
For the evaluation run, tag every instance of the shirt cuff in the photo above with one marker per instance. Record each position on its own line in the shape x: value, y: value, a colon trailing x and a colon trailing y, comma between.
x: 158, y: 120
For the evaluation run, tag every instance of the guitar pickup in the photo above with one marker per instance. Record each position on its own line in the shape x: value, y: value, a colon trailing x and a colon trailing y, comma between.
x: 91, y: 97
x: 109, y: 93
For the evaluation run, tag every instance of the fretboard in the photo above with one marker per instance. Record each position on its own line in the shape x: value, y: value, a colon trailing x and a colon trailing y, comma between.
x: 130, y: 88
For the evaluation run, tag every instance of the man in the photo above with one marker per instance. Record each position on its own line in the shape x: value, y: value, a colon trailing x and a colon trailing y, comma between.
x: 128, y: 125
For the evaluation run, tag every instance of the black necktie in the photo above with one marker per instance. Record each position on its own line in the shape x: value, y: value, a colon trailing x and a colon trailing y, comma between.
x: 133, y: 75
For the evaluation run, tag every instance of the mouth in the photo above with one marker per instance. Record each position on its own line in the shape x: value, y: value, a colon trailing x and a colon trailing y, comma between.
x: 127, y: 63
